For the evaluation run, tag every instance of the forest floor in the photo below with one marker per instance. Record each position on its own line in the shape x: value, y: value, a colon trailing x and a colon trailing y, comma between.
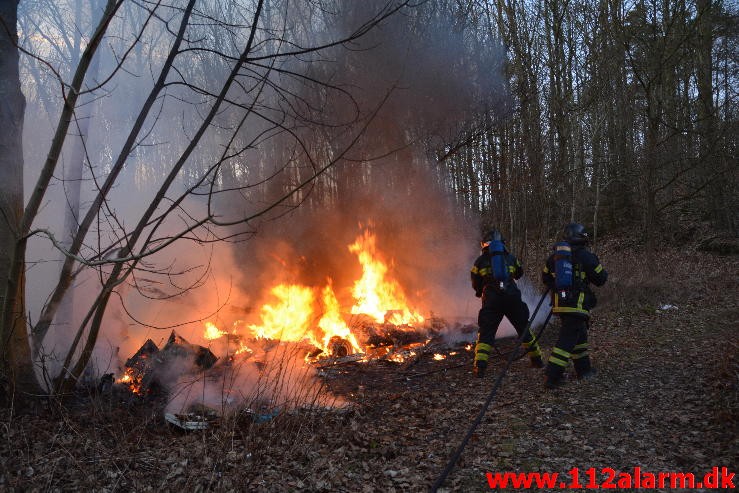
x: 666, y: 399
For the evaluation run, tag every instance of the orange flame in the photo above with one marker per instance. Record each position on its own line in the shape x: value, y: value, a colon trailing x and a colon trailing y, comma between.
x: 291, y: 316
x: 332, y: 323
x: 131, y: 380
x: 288, y: 319
x: 212, y: 332
x: 376, y: 296
x: 243, y: 348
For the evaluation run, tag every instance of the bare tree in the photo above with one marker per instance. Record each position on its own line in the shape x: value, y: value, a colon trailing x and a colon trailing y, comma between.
x: 617, y: 117
x: 257, y: 89
x: 16, y: 370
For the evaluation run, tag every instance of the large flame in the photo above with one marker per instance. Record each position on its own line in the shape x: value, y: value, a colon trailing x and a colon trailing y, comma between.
x: 332, y: 323
x: 292, y: 314
x: 212, y: 332
x: 288, y: 319
x: 375, y: 295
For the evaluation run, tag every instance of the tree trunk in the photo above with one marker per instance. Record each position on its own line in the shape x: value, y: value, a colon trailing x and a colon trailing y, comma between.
x: 73, y: 176
x: 16, y: 368
x: 717, y: 190
x: 66, y: 381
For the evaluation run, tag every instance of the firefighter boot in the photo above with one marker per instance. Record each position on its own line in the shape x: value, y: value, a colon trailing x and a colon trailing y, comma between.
x: 583, y: 368
x: 482, y: 353
x: 555, y: 376
x: 534, y: 352
x: 588, y: 375
x: 479, y: 369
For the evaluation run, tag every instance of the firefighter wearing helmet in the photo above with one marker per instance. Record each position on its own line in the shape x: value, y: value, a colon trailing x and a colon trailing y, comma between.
x: 494, y: 277
x: 568, y: 272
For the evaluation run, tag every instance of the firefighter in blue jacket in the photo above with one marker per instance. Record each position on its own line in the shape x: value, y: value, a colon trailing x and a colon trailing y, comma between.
x: 493, y: 279
x: 572, y: 300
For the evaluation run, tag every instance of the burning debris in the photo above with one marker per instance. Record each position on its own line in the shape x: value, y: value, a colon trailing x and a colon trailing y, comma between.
x: 145, y: 368
x: 151, y: 368
x: 139, y: 368
x: 339, y: 347
x: 307, y: 326
x: 298, y: 313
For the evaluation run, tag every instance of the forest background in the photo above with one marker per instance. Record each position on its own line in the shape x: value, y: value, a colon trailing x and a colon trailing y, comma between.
x: 132, y: 127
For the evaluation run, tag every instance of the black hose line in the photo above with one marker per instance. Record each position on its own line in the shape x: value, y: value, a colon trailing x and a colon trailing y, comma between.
x: 512, y: 356
x: 536, y: 338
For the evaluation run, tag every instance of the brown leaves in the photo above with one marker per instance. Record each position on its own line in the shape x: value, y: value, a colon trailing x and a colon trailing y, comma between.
x: 665, y: 399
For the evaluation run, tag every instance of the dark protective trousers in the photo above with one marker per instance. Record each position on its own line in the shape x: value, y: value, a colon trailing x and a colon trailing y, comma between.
x: 494, y: 307
x: 572, y: 344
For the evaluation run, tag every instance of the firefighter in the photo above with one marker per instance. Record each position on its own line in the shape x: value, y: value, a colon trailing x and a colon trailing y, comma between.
x: 494, y: 277
x: 572, y: 300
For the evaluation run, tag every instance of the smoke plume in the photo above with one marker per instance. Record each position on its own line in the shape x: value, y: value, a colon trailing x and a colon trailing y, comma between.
x: 361, y: 125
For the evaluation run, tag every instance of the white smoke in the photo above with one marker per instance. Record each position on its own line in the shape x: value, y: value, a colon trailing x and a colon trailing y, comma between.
x: 434, y: 79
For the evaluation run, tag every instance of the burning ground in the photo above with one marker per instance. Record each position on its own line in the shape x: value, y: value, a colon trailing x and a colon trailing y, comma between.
x: 400, y: 421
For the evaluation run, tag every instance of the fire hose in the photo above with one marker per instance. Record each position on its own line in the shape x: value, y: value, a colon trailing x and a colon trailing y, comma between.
x: 511, y: 357
x: 536, y: 338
